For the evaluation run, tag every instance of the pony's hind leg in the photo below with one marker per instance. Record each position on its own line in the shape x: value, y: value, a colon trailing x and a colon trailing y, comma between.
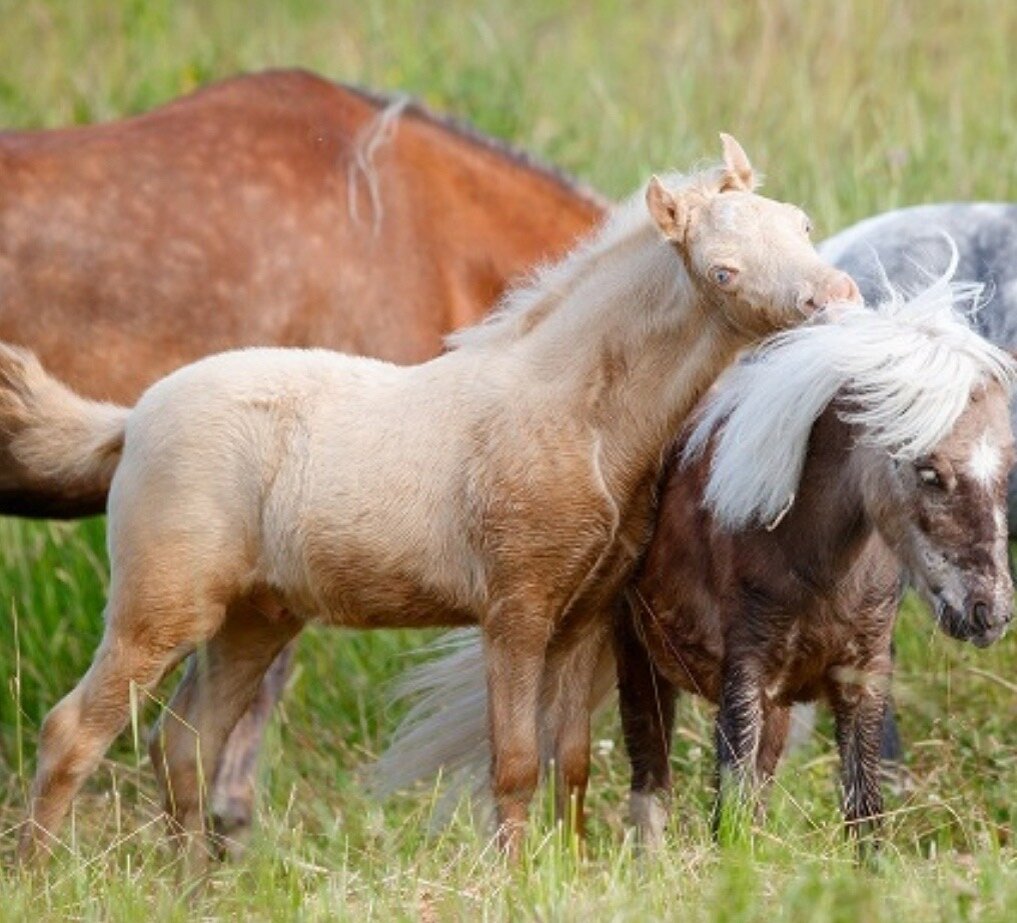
x: 233, y: 789
x: 80, y: 728
x: 221, y: 680
x: 772, y: 743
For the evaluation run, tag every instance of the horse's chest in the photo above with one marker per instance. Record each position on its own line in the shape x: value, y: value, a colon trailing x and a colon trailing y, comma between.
x: 567, y: 534
x: 813, y: 648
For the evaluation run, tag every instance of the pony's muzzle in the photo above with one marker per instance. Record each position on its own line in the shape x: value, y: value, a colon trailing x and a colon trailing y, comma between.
x: 837, y: 287
x: 987, y: 623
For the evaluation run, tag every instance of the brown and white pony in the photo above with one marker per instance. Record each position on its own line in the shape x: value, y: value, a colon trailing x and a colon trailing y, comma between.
x: 849, y: 455
x: 508, y: 482
x: 271, y: 209
x: 758, y: 595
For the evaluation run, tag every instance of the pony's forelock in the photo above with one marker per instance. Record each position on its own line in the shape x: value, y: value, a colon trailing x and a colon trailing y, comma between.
x: 903, y: 372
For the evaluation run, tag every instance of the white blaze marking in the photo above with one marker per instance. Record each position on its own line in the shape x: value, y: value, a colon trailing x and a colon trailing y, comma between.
x: 985, y: 461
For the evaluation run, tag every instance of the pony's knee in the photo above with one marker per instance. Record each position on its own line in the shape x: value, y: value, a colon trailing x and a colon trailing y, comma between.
x: 60, y: 727
x: 60, y: 740
x: 516, y: 772
x: 573, y: 762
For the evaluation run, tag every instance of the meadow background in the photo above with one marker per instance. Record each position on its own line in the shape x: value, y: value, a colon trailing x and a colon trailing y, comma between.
x: 851, y: 108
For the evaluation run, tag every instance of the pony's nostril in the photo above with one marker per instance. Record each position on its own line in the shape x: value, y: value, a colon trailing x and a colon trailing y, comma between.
x: 839, y: 288
x: 980, y: 616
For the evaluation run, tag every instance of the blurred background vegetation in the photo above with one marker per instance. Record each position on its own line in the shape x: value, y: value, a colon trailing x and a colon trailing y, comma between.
x: 852, y: 107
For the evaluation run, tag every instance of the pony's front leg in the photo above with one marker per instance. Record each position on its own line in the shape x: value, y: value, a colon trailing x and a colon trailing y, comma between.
x: 515, y: 648
x: 569, y: 674
x: 646, y: 699
x: 859, y: 707
x: 739, y: 731
x: 772, y: 741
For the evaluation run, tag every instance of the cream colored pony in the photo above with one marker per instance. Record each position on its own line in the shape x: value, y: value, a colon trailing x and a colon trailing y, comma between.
x: 508, y: 482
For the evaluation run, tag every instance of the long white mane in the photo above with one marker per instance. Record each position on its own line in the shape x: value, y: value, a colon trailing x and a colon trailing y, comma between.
x: 524, y: 306
x: 903, y: 371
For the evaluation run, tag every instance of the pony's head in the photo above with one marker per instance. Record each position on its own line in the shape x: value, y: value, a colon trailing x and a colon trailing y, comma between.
x: 943, y: 511
x: 750, y: 257
x: 925, y: 399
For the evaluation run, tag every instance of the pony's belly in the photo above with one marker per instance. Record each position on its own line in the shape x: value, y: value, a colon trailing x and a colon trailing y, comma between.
x: 695, y: 670
x: 390, y: 601
x: 356, y: 587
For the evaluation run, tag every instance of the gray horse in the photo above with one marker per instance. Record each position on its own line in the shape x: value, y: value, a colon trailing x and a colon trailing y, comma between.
x: 907, y: 246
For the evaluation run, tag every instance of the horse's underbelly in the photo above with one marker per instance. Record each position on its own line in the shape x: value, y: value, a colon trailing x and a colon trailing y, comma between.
x: 393, y: 604
x: 361, y: 579
x: 353, y: 591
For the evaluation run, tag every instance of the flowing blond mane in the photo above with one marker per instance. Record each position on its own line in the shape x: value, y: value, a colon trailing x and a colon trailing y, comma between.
x: 604, y: 250
x: 903, y: 371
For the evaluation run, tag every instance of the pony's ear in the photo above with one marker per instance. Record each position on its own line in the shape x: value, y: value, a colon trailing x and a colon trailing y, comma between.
x: 667, y: 210
x: 738, y: 172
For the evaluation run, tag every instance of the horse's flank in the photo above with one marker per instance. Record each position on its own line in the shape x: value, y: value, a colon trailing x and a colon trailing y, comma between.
x: 236, y: 200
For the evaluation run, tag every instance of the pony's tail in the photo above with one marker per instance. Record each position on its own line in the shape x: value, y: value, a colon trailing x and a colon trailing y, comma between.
x: 58, y: 451
x: 446, y: 733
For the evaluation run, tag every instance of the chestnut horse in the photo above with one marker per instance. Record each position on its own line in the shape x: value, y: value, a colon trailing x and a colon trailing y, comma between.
x: 276, y: 208
x: 508, y: 482
x: 904, y: 469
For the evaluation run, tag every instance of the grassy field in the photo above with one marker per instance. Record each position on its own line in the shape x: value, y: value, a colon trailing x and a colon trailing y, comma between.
x: 852, y: 108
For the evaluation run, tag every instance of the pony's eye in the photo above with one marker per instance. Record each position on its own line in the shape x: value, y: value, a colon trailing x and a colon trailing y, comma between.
x: 929, y: 475
x: 722, y: 275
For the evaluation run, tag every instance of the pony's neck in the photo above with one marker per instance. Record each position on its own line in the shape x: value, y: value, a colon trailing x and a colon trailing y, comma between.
x: 827, y: 526
x: 630, y: 350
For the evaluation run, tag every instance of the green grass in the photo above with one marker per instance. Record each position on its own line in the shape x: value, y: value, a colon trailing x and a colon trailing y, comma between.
x: 852, y: 108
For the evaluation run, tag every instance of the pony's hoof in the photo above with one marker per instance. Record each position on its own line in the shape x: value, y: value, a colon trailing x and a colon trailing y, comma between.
x: 231, y: 829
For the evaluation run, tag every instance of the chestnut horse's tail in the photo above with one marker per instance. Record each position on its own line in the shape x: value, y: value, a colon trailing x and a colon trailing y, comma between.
x: 445, y: 732
x: 58, y: 451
